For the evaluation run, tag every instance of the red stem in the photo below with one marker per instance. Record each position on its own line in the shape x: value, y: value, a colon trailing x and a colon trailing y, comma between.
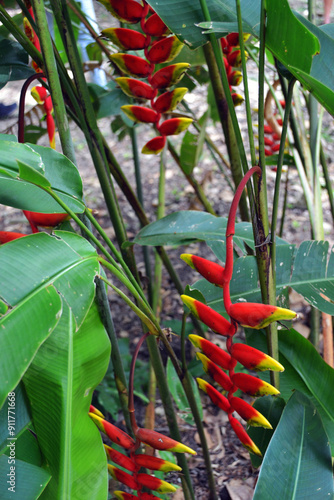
x: 22, y: 103
x: 131, y: 383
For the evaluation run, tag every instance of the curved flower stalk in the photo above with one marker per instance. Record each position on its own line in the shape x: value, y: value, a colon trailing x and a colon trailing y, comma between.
x: 163, y: 49
x: 133, y: 461
x: 216, y: 361
x: 232, y: 61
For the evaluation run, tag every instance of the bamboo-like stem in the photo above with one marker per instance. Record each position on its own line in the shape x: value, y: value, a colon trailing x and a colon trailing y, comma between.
x: 285, y: 202
x: 328, y: 181
x: 53, y: 80
x: 131, y: 382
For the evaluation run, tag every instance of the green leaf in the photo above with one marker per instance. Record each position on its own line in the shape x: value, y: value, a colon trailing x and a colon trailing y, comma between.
x: 30, y: 481
x: 64, y: 259
x: 298, y: 456
x: 14, y: 61
x: 179, y: 395
x: 23, y: 329
x: 22, y: 417
x: 29, y: 174
x: 192, y: 146
x: 305, y: 371
x: 58, y: 171
x: 60, y: 384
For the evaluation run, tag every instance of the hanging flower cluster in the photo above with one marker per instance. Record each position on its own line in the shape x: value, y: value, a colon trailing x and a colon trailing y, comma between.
x: 214, y: 359
x: 232, y: 59
x: 134, y: 461
x: 159, y: 47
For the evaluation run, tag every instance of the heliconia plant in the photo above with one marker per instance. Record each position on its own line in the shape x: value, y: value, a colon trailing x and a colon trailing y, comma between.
x: 162, y: 50
x: 134, y: 461
x: 232, y: 59
x: 214, y: 359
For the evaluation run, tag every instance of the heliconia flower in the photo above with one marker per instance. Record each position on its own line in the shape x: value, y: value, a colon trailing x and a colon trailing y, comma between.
x: 125, y: 39
x: 132, y: 65
x: 121, y: 495
x: 232, y: 39
x: 235, y: 78
x: 94, y: 410
x: 169, y: 100
x: 268, y: 142
x: 212, y: 272
x: 246, y: 441
x: 123, y: 477
x: 127, y: 11
x: 29, y: 31
x: 248, y: 413
x: 154, y: 146
x: 279, y: 121
x: 234, y: 58
x: 216, y: 397
x: 48, y: 106
x: 228, y: 68
x: 237, y: 99
x: 212, y: 351
x: 140, y: 113
x: 209, y: 316
x: 174, y: 126
x: 267, y: 129
x: 154, y: 483
x: 253, y: 359
x: 51, y: 128
x: 258, y: 316
x: 164, y: 50
x: 45, y: 220
x: 253, y: 385
x: 116, y: 435
x: 155, y: 463
x: 6, y: 236
x: 39, y: 93
x: 135, y: 88
x: 160, y: 442
x: 216, y: 373
x: 155, y: 26
x: 120, y: 459
x: 168, y: 76
x: 275, y: 148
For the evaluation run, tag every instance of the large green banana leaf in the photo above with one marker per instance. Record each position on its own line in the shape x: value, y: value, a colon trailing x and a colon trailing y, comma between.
x: 304, y: 49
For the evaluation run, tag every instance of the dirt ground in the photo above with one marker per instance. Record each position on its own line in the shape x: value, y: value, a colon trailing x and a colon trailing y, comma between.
x: 234, y: 474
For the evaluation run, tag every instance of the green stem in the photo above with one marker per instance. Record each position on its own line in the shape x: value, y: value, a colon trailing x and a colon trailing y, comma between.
x: 328, y: 181
x: 53, y: 80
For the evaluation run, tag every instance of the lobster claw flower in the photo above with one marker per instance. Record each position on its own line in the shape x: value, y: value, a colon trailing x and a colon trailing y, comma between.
x: 125, y: 39
x: 135, y: 88
x: 154, y: 26
x: 164, y: 50
x: 235, y: 78
x: 174, y: 126
x: 155, y: 463
x: 94, y: 410
x: 234, y: 58
x: 160, y: 442
x: 258, y: 315
x: 123, y: 477
x: 209, y: 316
x: 168, y: 101
x: 154, y: 483
x: 253, y: 385
x: 245, y: 440
x: 120, y: 459
x: 237, y: 99
x: 212, y: 351
x: 140, y: 113
x: 155, y: 145
x: 253, y: 359
x: 232, y: 39
x: 212, y: 272
x: 127, y: 11
x: 132, y: 65
x: 216, y: 397
x: 115, y: 435
x: 44, y: 220
x: 39, y: 93
x: 168, y: 76
x: 248, y: 413
x: 6, y: 236
x: 216, y: 373
x: 122, y: 495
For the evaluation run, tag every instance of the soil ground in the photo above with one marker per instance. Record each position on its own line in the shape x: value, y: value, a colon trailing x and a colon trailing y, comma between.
x: 234, y: 474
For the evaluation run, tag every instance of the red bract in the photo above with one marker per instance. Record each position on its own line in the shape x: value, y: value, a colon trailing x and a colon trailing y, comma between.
x: 253, y: 359
x: 168, y: 101
x: 209, y: 316
x: 120, y: 459
x: 234, y: 58
x: 212, y: 351
x: 44, y: 220
x: 216, y: 397
x: 168, y: 76
x: 125, y: 39
x: 216, y: 373
x: 140, y: 114
x: 248, y: 413
x: 127, y: 11
x: 161, y: 442
x: 132, y: 65
x: 253, y: 385
x: 155, y: 463
x: 174, y: 126
x: 154, y: 146
x: 116, y: 435
x: 212, y: 272
x: 245, y: 440
x: 123, y: 477
x: 154, y: 483
x: 135, y: 88
x: 258, y: 315
x: 164, y: 50
x: 154, y: 26
x: 6, y: 236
